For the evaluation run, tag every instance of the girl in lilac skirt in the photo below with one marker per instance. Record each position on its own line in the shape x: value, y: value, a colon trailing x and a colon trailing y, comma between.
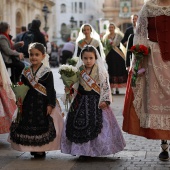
x: 91, y: 128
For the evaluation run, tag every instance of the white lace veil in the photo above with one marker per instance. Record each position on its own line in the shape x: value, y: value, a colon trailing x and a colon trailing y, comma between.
x: 145, y: 1
x: 117, y: 30
x: 6, y: 80
x: 93, y: 35
x: 45, y: 61
x: 103, y: 76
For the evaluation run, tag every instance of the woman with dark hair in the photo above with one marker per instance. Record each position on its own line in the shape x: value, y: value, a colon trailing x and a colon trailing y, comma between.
x: 91, y: 128
x: 88, y: 36
x: 40, y: 126
x: 32, y: 35
x: 38, y: 35
x: 11, y: 57
x: 115, y: 57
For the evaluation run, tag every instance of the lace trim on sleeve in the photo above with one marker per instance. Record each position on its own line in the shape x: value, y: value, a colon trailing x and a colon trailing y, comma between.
x: 105, y: 92
x: 141, y: 34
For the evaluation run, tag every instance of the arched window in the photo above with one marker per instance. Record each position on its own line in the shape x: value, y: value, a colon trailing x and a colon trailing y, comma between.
x: 63, y: 8
x: 19, y: 22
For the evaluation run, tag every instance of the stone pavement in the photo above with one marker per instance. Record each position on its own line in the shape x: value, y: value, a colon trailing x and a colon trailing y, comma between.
x: 139, y: 153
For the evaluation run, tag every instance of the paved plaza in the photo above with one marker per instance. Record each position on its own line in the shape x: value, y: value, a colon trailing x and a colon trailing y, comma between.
x: 139, y: 153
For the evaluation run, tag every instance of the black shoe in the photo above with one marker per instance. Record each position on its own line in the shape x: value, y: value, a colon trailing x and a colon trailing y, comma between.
x: 40, y: 155
x: 117, y: 92
x: 33, y: 153
x: 164, y: 156
x: 83, y: 158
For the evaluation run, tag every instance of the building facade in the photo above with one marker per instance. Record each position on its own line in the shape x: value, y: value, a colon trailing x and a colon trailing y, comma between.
x: 21, y: 12
x: 71, y: 14
x: 120, y: 11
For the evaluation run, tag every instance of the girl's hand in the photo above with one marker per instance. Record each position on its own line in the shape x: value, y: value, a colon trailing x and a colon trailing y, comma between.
x: 21, y: 43
x: 103, y: 105
x: 49, y: 110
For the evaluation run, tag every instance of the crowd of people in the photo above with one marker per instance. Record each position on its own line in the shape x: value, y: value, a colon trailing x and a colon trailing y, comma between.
x: 90, y: 128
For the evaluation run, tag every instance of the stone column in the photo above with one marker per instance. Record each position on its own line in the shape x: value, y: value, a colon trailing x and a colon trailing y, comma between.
x: 108, y: 9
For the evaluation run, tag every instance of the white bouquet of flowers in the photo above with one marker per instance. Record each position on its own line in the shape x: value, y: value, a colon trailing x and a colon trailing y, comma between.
x: 69, y: 75
x: 73, y: 61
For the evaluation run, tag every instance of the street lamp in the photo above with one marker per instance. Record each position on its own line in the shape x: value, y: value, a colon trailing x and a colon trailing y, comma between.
x: 72, y: 21
x: 46, y: 12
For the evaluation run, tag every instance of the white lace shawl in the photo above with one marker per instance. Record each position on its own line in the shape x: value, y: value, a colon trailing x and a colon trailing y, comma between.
x: 149, y: 9
x: 118, y: 37
x: 6, y: 80
x: 116, y: 40
x: 41, y: 72
x: 45, y: 61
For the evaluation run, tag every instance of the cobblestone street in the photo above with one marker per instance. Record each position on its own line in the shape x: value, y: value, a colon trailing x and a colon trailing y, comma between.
x: 139, y: 153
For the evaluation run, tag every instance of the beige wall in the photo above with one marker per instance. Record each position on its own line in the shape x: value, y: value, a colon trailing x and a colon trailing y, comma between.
x: 21, y: 12
x: 111, y: 11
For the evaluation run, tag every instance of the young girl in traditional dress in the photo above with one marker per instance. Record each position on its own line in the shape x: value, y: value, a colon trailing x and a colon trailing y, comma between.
x: 91, y: 128
x: 41, y: 124
x: 7, y: 99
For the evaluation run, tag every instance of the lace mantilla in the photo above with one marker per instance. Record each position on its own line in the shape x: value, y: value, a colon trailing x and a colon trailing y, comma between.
x: 152, y: 92
x: 150, y: 9
x: 6, y: 80
x: 41, y: 72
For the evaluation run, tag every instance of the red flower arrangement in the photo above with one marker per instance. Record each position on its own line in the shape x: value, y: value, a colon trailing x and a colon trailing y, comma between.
x: 139, y: 51
x: 20, y: 83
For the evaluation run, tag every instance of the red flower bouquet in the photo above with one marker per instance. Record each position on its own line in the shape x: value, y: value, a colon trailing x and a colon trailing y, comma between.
x: 139, y: 51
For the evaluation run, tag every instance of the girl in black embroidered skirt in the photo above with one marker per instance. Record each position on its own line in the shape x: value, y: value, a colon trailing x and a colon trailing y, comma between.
x: 36, y: 131
x: 91, y: 128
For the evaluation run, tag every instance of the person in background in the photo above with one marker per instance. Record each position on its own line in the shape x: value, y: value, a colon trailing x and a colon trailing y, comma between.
x: 54, y: 58
x: 19, y: 36
x: 7, y: 99
x: 40, y: 126
x: 48, y: 44
x: 32, y: 35
x: 60, y: 54
x: 88, y: 36
x: 35, y: 29
x: 147, y: 106
x: 130, y: 44
x: 91, y: 128
x: 11, y: 57
x: 130, y: 30
x: 67, y: 51
x: 115, y: 58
